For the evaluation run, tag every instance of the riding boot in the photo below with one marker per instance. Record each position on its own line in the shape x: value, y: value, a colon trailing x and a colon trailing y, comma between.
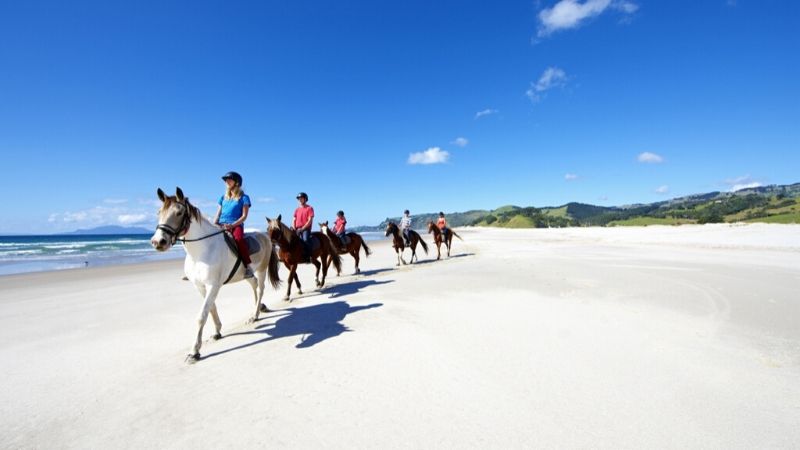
x: 248, y: 271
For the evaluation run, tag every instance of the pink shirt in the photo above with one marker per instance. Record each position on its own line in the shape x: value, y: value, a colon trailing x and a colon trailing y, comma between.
x: 301, y: 216
x: 338, y: 227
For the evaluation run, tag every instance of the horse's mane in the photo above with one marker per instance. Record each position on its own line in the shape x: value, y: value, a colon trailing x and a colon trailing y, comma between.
x: 193, y: 210
x: 287, y: 232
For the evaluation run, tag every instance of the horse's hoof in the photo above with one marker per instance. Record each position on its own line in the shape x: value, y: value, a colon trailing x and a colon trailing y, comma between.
x: 299, y: 292
x: 263, y: 308
x: 192, y: 358
x: 217, y: 336
x: 286, y: 299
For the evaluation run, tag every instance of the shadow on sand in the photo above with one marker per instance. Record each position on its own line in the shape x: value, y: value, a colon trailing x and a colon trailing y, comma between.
x: 313, y: 324
x: 433, y: 259
x: 340, y: 290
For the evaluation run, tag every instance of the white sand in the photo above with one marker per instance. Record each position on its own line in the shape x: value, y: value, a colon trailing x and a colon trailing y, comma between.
x: 594, y: 338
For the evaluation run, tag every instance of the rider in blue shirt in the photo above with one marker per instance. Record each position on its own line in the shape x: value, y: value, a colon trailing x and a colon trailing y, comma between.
x: 231, y: 214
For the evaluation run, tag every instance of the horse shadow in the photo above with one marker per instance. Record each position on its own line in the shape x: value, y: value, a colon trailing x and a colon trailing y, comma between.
x: 340, y: 290
x: 367, y: 273
x: 313, y: 324
x: 433, y: 259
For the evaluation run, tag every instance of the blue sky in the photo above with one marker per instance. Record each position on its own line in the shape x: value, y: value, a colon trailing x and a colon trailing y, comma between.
x: 373, y: 107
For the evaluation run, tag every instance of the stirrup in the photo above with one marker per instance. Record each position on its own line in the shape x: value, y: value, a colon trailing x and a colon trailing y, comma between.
x: 248, y: 273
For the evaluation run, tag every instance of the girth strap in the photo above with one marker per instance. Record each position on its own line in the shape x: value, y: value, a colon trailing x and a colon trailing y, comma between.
x: 232, y: 244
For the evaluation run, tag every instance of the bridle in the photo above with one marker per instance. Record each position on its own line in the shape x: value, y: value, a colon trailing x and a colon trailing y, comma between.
x: 176, y: 233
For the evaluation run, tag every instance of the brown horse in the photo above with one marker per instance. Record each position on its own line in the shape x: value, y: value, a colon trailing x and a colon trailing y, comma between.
x: 438, y: 239
x: 290, y: 252
x: 353, y: 247
x: 399, y: 243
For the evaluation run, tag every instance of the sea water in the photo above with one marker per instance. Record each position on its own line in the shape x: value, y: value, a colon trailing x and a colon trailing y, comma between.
x: 20, y: 254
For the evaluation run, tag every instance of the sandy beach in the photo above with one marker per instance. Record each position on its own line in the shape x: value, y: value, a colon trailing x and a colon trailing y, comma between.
x: 654, y: 337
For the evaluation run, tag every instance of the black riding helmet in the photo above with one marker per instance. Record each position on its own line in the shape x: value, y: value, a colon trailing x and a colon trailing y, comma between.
x: 302, y: 195
x: 340, y: 213
x: 406, y: 212
x: 233, y: 176
x: 441, y: 214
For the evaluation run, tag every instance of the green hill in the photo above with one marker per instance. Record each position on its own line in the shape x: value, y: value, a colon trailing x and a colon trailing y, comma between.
x: 769, y: 204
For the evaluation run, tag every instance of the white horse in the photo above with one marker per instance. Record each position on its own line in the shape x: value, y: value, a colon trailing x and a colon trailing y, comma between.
x: 210, y: 263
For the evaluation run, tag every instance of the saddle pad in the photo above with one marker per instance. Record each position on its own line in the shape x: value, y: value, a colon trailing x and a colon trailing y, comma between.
x: 252, y: 243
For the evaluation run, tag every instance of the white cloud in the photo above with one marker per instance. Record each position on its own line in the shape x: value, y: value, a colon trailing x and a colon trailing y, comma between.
x: 460, y: 141
x: 129, y: 219
x: 650, y: 158
x: 433, y: 155
x: 568, y: 14
x: 265, y: 199
x: 571, y: 177
x: 115, y: 201
x: 742, y: 182
x: 485, y: 112
x: 550, y: 78
x: 663, y: 189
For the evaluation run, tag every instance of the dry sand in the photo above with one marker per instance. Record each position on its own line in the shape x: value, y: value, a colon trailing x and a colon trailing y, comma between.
x: 666, y: 337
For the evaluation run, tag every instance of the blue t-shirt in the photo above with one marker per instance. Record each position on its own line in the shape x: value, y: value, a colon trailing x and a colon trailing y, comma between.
x: 232, y: 208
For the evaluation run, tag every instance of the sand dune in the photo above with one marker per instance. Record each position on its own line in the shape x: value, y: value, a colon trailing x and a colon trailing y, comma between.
x: 666, y: 337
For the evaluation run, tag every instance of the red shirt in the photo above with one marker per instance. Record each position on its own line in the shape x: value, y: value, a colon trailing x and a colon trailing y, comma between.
x: 338, y: 227
x: 441, y: 223
x: 301, y: 215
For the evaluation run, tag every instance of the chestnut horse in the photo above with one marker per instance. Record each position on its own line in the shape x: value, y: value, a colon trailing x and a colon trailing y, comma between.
x: 353, y: 247
x: 291, y: 252
x: 438, y: 239
x: 399, y: 243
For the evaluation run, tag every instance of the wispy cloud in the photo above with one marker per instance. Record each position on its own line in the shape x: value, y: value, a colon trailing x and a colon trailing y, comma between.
x: 265, y: 199
x: 568, y: 14
x: 102, y: 215
x: 570, y: 177
x: 552, y: 77
x: 662, y: 190
x: 115, y: 201
x: 131, y: 219
x: 650, y: 158
x: 433, y: 155
x: 742, y: 182
x: 485, y: 112
x: 460, y: 141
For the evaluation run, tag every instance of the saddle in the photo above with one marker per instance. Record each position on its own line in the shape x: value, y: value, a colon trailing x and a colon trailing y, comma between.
x: 252, y: 247
x: 346, y: 240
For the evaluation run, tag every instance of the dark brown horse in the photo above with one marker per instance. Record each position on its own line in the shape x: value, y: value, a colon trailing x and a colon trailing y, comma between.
x: 399, y: 243
x: 438, y: 238
x: 291, y: 249
x: 353, y: 247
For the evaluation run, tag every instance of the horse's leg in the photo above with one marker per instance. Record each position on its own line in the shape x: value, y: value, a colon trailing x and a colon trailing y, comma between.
x: 297, y: 281
x: 211, y: 296
x: 413, y: 251
x: 292, y: 274
x: 318, y: 265
x: 256, y: 297
x: 217, y: 322
x: 262, y: 279
x: 438, y: 249
x: 357, y: 258
x: 449, y: 243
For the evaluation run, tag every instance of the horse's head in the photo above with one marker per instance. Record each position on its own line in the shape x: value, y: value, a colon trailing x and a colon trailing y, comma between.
x: 174, y: 218
x: 390, y: 229
x: 323, y: 226
x: 431, y: 227
x: 274, y: 228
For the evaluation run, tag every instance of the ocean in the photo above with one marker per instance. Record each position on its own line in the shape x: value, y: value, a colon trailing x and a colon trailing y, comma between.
x: 21, y: 254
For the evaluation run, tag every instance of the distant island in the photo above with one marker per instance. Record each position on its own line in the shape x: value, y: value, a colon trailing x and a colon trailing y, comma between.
x: 770, y: 204
x: 109, y: 229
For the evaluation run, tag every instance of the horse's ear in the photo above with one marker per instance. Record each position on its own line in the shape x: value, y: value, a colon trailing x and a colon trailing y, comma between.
x: 179, y: 194
x: 278, y: 218
x: 161, y: 195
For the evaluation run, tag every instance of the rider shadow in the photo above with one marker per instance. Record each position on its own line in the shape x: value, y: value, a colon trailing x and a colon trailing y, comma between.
x: 340, y: 290
x: 313, y: 324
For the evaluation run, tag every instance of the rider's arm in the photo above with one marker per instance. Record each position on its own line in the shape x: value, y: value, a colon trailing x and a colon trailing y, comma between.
x: 241, y: 220
x: 216, y: 216
x: 307, y: 226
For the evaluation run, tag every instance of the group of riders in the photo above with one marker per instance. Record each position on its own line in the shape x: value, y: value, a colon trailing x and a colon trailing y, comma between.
x: 234, y: 206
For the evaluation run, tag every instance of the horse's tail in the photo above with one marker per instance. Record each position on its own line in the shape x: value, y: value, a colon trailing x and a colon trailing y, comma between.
x: 424, y: 245
x: 272, y: 268
x: 456, y: 235
x: 364, y: 245
x: 335, y: 258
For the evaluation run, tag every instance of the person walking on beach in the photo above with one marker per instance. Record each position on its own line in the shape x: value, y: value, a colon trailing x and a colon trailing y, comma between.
x: 231, y: 214
x: 405, y: 225
x: 303, y: 219
x: 339, y: 227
